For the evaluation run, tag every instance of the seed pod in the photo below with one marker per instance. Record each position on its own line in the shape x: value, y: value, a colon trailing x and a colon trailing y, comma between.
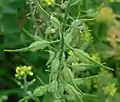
x: 67, y: 73
x: 55, y: 22
x: 51, y: 57
x: 53, y: 87
x: 61, y: 88
x: 55, y: 65
x: 68, y: 38
x: 54, y: 76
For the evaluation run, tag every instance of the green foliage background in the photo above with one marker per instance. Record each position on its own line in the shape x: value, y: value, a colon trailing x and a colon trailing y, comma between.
x: 12, y: 36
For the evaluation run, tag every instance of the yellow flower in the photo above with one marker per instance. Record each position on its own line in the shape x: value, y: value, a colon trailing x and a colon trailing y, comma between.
x: 49, y: 2
x: 74, y: 63
x: 105, y: 14
x: 70, y: 53
x: 22, y: 71
x: 111, y: 89
x: 96, y: 56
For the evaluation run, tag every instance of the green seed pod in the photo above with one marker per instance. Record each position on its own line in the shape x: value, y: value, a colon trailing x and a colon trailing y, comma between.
x: 68, y: 38
x: 54, y: 75
x: 55, y: 65
x: 53, y: 86
x: 67, y: 73
x: 54, y: 69
x: 55, y: 22
x: 61, y: 88
x: 51, y: 57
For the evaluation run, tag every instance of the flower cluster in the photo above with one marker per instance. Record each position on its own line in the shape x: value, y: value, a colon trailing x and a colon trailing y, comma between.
x: 105, y: 14
x: 22, y: 71
x: 70, y: 53
x: 49, y: 2
x: 111, y: 89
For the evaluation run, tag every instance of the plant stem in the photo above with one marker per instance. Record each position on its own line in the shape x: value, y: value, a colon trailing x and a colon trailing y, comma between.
x: 42, y: 8
x: 25, y: 86
x: 32, y: 14
x: 63, y: 30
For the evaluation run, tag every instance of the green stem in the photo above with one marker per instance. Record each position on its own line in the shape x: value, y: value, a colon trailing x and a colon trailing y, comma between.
x: 42, y: 8
x: 32, y: 14
x: 63, y: 30
x: 41, y: 81
x: 25, y: 85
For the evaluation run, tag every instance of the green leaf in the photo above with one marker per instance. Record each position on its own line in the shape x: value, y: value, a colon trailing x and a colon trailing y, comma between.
x: 81, y: 54
x: 26, y: 98
x: 38, y: 45
x: 40, y: 91
x: 72, y: 59
x: 82, y: 67
x: 75, y: 2
x: 33, y: 47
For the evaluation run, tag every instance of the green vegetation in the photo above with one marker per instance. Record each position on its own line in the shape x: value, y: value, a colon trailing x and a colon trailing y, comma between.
x: 60, y: 51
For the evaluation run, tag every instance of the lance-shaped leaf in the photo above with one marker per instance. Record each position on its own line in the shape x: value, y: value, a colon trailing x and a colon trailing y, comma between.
x: 72, y: 59
x: 82, y: 81
x: 75, y: 2
x: 81, y: 54
x: 40, y: 91
x: 82, y: 67
x: 38, y: 45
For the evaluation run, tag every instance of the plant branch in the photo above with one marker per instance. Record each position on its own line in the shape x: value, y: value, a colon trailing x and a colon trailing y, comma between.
x: 63, y: 29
